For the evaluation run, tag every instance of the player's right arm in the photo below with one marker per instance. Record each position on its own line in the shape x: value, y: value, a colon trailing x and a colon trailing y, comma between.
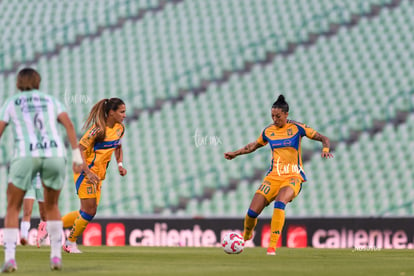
x: 91, y: 175
x: 251, y: 147
x: 86, y: 144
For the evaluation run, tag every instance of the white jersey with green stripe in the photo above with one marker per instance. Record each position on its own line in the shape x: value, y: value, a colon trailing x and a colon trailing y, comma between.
x: 33, y: 117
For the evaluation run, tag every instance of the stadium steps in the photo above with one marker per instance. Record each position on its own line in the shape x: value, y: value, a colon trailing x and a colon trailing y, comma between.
x: 400, y: 118
x: 79, y: 38
x: 312, y: 38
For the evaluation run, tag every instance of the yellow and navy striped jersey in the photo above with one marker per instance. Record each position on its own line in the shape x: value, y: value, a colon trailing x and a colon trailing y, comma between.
x: 98, y: 154
x: 285, y: 144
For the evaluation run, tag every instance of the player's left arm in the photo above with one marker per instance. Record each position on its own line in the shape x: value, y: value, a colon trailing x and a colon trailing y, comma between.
x: 325, y: 144
x: 119, y: 156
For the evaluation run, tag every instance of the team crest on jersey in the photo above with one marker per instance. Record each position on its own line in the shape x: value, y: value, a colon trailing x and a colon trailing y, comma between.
x: 119, y: 132
x: 289, y: 132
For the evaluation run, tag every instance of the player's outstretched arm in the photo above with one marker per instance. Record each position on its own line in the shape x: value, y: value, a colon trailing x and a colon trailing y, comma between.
x: 251, y: 147
x: 325, y: 145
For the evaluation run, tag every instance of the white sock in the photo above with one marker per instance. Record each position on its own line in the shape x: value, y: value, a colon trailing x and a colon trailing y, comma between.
x: 54, y: 229
x: 10, y: 240
x: 68, y: 242
x: 24, y: 228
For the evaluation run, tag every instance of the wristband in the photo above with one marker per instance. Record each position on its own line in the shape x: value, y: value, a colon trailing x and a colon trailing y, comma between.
x: 325, y: 150
x: 77, y: 157
x: 120, y: 164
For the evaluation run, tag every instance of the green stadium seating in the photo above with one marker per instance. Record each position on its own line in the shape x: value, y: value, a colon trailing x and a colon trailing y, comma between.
x: 41, y: 26
x: 342, y: 83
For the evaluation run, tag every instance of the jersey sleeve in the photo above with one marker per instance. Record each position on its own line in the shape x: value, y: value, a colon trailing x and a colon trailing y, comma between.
x: 123, y: 131
x: 88, y: 139
x: 262, y: 140
x: 305, y: 130
x: 4, y: 112
x: 60, y: 108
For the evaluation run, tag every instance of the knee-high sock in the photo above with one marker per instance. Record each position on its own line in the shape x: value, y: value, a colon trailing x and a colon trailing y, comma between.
x: 24, y: 229
x: 278, y: 220
x: 250, y: 221
x: 79, y: 225
x: 10, y: 241
x: 69, y: 218
x: 54, y: 229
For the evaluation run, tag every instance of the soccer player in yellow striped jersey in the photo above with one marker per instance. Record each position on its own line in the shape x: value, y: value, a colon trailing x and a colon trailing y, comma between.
x: 103, y: 137
x: 283, y: 181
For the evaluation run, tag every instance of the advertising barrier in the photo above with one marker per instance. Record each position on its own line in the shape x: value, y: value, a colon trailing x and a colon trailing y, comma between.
x: 357, y: 233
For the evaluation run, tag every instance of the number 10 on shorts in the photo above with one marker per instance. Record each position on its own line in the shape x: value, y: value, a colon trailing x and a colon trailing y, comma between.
x: 265, y: 188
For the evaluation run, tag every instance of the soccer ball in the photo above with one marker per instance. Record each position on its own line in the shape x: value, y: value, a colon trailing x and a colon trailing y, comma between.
x: 233, y: 243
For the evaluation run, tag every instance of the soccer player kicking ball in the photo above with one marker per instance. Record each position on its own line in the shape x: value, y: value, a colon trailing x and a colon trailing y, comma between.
x: 283, y: 181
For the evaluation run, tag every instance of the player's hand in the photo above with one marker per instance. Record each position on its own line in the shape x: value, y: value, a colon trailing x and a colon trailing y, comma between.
x: 326, y: 155
x: 76, y: 168
x: 122, y: 171
x: 93, y: 178
x: 230, y: 155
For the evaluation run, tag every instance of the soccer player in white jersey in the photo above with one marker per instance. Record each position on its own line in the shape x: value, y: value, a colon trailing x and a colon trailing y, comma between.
x: 39, y: 147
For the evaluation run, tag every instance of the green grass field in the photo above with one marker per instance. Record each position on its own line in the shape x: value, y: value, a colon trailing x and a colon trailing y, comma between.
x: 213, y: 261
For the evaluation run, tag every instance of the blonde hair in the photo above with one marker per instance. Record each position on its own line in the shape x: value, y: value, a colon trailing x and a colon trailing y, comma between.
x: 28, y: 79
x: 98, y: 115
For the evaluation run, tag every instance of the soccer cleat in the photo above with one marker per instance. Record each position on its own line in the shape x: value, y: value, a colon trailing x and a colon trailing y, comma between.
x: 71, y: 247
x: 271, y: 251
x: 41, y: 233
x: 56, y: 263
x: 9, y: 266
x: 23, y: 240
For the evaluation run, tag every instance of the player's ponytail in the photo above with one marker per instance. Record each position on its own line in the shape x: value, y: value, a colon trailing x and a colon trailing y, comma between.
x: 97, y: 117
x: 99, y: 113
x: 281, y: 103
